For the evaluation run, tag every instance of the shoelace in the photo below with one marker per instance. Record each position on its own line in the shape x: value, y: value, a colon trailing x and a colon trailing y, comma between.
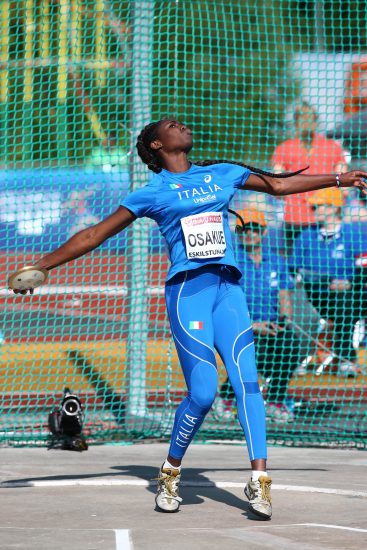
x: 170, y: 484
x: 264, y: 487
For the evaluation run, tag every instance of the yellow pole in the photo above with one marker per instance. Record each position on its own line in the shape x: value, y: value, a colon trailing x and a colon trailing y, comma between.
x: 76, y: 48
x: 45, y: 29
x: 76, y: 31
x: 27, y: 115
x: 63, y: 52
x: 28, y: 53
x: 4, y: 51
x: 100, y: 44
x: 62, y: 82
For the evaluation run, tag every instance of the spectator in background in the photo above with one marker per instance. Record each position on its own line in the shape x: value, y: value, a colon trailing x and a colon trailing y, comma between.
x: 268, y: 285
x: 330, y: 258
x: 355, y: 207
x: 307, y: 148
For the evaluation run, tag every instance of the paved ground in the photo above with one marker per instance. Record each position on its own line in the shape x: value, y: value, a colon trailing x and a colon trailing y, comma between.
x: 103, y: 499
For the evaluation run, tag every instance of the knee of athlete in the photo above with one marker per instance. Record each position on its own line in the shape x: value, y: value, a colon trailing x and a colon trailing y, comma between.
x: 204, y: 384
x: 203, y: 400
x: 246, y: 389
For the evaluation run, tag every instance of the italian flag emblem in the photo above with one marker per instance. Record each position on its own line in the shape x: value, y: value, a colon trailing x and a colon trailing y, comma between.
x: 196, y: 325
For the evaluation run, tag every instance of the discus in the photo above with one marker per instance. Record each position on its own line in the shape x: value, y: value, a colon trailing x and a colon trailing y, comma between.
x: 27, y: 278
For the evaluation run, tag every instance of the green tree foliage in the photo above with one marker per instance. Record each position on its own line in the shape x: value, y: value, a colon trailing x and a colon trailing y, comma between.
x: 332, y: 25
x: 220, y: 65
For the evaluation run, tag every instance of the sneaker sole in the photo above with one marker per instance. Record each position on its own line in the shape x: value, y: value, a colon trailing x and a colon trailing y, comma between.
x: 159, y: 509
x: 259, y: 514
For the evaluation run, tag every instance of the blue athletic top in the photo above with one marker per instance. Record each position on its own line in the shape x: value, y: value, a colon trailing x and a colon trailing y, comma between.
x: 177, y: 202
x: 263, y: 282
x: 335, y: 257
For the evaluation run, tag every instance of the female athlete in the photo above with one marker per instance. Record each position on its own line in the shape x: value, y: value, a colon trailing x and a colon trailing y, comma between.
x: 205, y: 301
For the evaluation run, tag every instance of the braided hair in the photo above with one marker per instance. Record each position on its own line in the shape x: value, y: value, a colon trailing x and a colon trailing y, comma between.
x: 239, y: 218
x: 151, y: 159
x: 251, y: 168
x: 148, y: 134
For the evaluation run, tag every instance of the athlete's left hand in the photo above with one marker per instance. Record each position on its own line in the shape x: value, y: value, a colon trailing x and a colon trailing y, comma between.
x: 355, y: 178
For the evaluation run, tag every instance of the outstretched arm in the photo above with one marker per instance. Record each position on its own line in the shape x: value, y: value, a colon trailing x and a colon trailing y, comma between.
x: 304, y: 182
x: 88, y: 239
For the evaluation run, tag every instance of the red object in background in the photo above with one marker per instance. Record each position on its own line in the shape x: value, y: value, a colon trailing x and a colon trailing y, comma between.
x: 356, y: 88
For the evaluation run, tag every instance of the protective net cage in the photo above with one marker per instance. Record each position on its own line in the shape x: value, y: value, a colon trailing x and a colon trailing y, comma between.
x: 276, y: 84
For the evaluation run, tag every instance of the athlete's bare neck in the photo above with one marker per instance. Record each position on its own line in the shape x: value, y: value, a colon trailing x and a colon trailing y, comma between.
x: 175, y: 162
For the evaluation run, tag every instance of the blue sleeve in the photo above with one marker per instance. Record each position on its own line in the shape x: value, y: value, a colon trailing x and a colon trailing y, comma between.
x: 141, y: 202
x: 237, y: 174
x: 242, y: 177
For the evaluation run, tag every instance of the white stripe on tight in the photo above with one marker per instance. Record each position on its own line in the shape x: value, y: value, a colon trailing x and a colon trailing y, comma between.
x: 190, y: 335
x: 190, y: 353
x: 234, y: 343
x: 243, y: 349
x: 244, y: 390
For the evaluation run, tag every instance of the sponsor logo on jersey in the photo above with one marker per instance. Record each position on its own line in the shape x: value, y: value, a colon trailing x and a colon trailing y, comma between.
x: 199, y: 194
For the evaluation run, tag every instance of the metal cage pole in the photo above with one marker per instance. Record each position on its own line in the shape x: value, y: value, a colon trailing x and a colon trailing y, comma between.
x: 319, y: 18
x: 141, y: 58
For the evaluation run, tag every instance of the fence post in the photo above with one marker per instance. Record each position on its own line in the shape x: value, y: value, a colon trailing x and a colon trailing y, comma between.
x: 141, y: 59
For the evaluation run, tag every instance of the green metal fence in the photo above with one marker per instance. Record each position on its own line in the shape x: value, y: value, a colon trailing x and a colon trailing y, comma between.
x: 78, y: 81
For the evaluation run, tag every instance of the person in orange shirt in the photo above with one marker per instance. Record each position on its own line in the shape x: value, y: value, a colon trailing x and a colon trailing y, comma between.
x: 307, y: 148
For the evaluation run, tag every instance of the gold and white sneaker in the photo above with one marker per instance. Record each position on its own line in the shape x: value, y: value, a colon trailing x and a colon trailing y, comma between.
x: 258, y: 493
x: 167, y: 498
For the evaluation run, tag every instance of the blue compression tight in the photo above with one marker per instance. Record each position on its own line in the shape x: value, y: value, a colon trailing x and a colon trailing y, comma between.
x: 207, y: 310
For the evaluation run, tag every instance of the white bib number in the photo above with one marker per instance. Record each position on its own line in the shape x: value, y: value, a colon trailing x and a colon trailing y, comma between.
x: 204, y: 235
